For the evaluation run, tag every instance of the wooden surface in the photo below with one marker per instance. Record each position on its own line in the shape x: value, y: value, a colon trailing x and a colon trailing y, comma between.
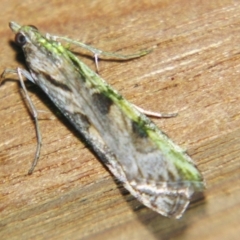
x: 194, y: 70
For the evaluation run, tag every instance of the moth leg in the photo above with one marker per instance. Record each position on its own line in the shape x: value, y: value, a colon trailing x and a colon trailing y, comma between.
x: 31, y: 107
x: 29, y: 77
x: 6, y: 71
x: 25, y: 73
x: 34, y: 113
x: 98, y: 53
x: 155, y: 114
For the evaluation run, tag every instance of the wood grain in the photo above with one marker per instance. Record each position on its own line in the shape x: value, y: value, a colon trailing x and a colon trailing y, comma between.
x: 194, y: 70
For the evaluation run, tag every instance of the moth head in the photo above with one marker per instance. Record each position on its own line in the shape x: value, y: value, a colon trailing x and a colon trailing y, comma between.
x: 20, y: 37
x: 22, y: 32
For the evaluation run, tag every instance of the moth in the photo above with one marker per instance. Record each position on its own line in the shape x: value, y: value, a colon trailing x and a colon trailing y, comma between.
x: 151, y: 167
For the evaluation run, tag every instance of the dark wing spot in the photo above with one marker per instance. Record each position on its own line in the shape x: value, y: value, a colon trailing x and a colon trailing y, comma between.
x: 56, y: 83
x: 102, y: 102
x: 79, y: 117
x: 139, y: 130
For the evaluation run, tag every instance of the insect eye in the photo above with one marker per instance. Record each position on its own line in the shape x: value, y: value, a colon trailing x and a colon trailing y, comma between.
x: 20, y: 39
